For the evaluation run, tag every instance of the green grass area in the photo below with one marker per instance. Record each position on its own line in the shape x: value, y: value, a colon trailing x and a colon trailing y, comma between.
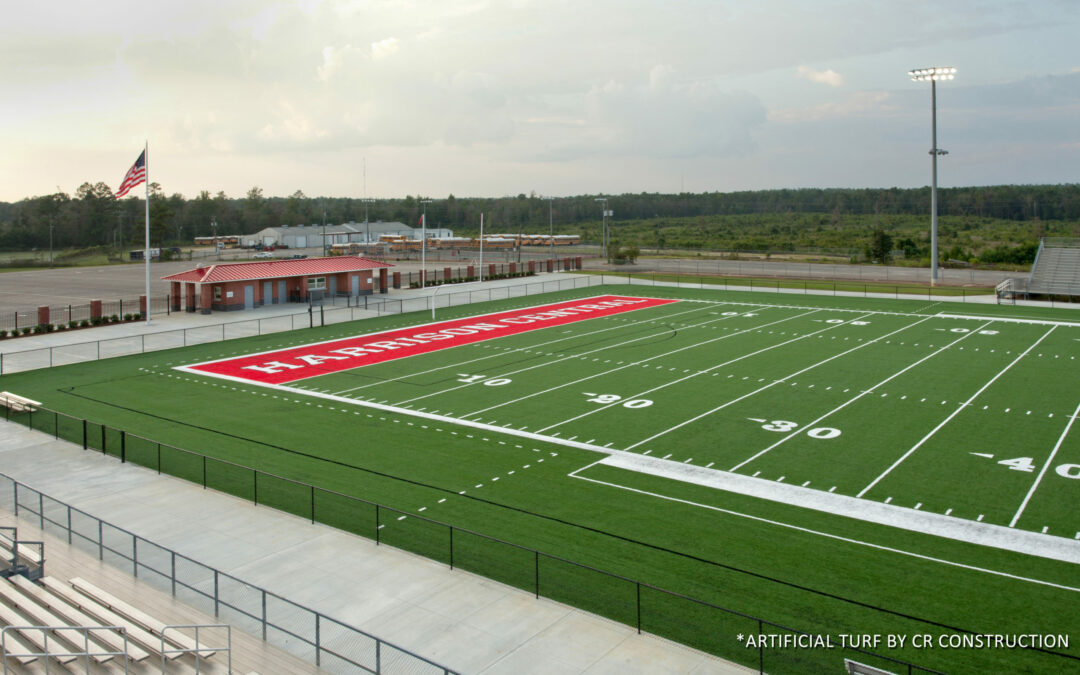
x: 817, y: 390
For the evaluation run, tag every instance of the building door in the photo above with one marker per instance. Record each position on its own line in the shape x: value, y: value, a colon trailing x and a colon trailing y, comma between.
x: 249, y: 296
x: 355, y: 285
x: 281, y: 297
x: 333, y: 288
x: 301, y: 241
x: 268, y: 293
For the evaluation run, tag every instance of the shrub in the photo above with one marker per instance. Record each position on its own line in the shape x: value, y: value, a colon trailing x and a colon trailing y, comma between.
x: 114, y: 318
x: 127, y: 317
x: 72, y: 324
x: 97, y: 320
x: 84, y: 323
x: 139, y: 315
x: 49, y: 328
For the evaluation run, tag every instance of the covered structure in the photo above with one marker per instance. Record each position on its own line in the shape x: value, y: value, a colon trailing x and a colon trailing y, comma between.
x: 316, y: 236
x: 244, y: 285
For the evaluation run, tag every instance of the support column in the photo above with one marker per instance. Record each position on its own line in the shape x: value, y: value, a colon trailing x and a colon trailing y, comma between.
x: 95, y: 309
x: 174, y: 296
x: 189, y: 297
x: 142, y: 306
x: 43, y: 315
x: 206, y: 298
x: 383, y: 274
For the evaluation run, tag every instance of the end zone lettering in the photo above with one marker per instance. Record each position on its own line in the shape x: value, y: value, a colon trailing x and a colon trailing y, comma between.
x: 297, y: 363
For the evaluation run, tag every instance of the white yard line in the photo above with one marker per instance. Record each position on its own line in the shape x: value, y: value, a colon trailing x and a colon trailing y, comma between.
x: 855, y: 398
x: 567, y: 358
x: 534, y: 346
x: 984, y: 534
x: 704, y: 372
x: 955, y: 412
x: 771, y: 384
x: 634, y: 364
x: 1046, y: 466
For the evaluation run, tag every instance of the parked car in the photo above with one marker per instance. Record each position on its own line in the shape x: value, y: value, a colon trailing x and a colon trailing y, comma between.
x: 264, y: 254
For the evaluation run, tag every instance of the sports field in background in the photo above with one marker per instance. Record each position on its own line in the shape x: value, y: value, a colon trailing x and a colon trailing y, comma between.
x: 838, y: 466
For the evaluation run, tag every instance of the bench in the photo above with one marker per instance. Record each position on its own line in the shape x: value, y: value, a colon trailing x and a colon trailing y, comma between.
x: 73, y: 617
x: 28, y: 607
x: 100, y: 613
x: 140, y: 617
x: 18, y: 403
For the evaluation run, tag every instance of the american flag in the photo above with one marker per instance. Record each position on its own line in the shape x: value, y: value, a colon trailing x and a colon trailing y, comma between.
x: 135, y: 175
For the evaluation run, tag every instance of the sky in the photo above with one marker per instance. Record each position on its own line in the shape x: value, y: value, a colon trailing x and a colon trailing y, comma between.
x: 479, y: 98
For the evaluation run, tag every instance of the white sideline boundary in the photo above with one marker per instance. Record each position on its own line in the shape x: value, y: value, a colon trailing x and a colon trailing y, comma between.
x: 1035, y: 322
x: 983, y: 534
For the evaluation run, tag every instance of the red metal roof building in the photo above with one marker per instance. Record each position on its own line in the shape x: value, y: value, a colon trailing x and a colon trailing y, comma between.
x: 232, y: 286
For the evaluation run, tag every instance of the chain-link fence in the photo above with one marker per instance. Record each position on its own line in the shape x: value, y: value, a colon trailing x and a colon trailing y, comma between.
x: 694, y: 622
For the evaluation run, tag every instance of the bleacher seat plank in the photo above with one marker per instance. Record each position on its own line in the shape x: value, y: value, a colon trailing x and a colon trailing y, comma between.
x: 73, y: 617
x: 148, y: 622
x: 18, y: 403
x: 12, y: 617
x: 17, y: 649
x: 41, y: 616
x: 144, y: 638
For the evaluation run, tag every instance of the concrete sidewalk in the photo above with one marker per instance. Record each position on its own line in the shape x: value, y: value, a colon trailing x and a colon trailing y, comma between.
x: 463, y: 621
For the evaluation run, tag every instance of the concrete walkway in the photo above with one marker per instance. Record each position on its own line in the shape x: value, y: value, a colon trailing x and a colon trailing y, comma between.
x: 463, y: 621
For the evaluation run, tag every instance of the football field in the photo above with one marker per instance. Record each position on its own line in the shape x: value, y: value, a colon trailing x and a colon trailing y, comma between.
x: 838, y: 466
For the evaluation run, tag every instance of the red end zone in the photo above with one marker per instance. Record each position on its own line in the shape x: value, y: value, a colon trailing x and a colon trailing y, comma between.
x: 298, y: 363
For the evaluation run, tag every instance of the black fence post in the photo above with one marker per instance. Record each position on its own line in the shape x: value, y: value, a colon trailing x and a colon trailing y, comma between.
x: 84, y: 442
x: 536, y: 573
x: 318, y: 642
x: 123, y: 446
x: 204, y: 472
x: 312, y: 504
x: 159, y: 458
x: 451, y: 547
x: 103, y: 439
x: 377, y: 537
x: 761, y: 648
x: 638, y: 584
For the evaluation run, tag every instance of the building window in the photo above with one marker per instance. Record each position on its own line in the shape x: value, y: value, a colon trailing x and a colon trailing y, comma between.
x: 314, y: 283
x: 217, y: 293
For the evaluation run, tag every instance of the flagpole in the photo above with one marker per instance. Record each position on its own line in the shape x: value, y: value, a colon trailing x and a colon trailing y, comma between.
x: 146, y: 250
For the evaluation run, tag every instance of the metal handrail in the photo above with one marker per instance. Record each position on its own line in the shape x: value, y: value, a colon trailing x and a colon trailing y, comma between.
x: 199, y: 648
x: 46, y: 631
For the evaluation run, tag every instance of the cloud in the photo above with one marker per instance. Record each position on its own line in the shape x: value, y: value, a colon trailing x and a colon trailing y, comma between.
x: 384, y: 49
x: 861, y: 104
x: 829, y: 77
x: 333, y: 61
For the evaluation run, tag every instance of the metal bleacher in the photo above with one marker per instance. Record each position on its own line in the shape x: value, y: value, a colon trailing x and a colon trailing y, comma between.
x: 1056, y: 272
x: 75, y: 626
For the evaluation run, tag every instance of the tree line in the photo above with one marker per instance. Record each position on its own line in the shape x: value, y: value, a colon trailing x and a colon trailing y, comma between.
x: 93, y: 217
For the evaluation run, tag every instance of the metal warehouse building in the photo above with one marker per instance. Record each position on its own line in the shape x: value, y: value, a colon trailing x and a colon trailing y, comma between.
x: 234, y: 286
x: 311, y: 236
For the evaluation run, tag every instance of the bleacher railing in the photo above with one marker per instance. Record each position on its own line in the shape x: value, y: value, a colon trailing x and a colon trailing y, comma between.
x: 648, y: 608
x: 328, y: 643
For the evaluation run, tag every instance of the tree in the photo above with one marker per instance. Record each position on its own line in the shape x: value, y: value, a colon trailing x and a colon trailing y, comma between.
x: 254, y: 204
x: 880, y: 245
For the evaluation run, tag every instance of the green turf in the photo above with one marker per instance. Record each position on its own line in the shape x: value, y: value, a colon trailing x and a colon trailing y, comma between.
x: 799, y: 568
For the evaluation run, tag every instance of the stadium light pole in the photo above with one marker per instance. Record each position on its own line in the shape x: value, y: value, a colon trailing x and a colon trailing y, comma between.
x: 933, y: 75
x: 603, y: 230
x: 367, y: 225
x: 423, y: 244
x: 551, y: 227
